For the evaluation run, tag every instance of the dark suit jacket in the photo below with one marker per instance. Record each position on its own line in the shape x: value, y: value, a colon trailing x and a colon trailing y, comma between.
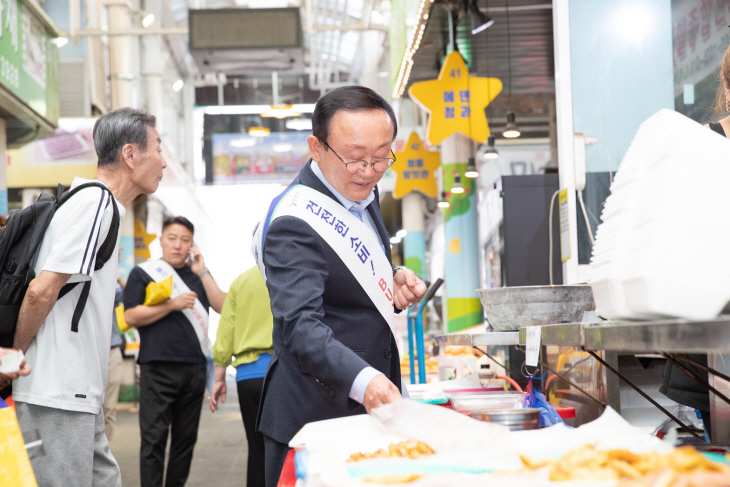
x: 326, y: 329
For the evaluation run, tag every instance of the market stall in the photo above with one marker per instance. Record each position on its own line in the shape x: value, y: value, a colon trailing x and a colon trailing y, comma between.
x: 417, y: 444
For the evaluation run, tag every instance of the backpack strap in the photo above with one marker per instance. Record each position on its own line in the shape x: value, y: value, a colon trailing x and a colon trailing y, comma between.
x: 107, y: 247
x: 80, y: 306
x: 103, y: 254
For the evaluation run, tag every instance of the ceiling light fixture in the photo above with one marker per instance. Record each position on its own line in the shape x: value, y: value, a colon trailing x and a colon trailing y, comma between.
x: 148, y: 20
x: 401, y: 233
x: 510, y: 130
x: 491, y: 152
x: 178, y: 85
x: 280, y: 111
x: 471, y: 169
x: 457, y: 188
x: 299, y: 124
x: 259, y: 132
x: 60, y: 41
x: 479, y: 20
x: 443, y: 202
x: 395, y: 240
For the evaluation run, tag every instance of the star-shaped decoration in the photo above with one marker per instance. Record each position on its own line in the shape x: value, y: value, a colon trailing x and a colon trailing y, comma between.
x: 456, y: 101
x: 415, y: 167
x: 142, y: 240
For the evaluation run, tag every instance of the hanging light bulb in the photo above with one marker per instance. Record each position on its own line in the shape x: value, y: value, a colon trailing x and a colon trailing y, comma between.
x: 471, y: 169
x: 259, y: 132
x: 443, y: 202
x: 510, y: 130
x: 491, y: 152
x: 148, y: 19
x: 457, y: 188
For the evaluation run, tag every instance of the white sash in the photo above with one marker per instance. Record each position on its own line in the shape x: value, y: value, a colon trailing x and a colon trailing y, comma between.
x: 160, y: 270
x: 352, y: 240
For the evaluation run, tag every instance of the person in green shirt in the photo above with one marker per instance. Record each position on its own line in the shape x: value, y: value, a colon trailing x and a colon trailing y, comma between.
x: 244, y: 340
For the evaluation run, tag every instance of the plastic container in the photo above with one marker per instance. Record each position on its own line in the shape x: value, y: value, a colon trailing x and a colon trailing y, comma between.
x: 514, y: 419
x: 466, y: 403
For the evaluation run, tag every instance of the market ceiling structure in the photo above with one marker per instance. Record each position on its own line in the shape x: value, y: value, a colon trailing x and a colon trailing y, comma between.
x: 489, y: 54
x: 333, y: 42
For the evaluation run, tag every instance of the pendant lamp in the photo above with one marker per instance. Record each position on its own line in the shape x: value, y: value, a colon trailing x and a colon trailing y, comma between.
x: 491, y: 152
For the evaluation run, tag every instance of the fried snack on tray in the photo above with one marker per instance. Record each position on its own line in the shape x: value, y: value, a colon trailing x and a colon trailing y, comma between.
x: 402, y: 478
x: 456, y: 351
x: 404, y: 449
x: 681, y: 467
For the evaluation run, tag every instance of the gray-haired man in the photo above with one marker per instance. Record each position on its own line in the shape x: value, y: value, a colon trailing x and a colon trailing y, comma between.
x: 63, y: 396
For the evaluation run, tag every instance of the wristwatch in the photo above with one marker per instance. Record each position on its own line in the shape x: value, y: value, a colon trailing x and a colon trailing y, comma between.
x: 202, y: 273
x: 395, y: 270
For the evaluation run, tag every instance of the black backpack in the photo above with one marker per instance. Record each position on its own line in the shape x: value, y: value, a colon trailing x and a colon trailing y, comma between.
x: 19, y: 241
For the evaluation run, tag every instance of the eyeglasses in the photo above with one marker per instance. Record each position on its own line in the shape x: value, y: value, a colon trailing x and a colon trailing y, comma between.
x: 379, y: 164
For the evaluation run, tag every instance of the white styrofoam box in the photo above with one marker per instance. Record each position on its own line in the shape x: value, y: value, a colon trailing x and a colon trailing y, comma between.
x: 660, y: 251
x: 610, y: 300
x: 663, y: 298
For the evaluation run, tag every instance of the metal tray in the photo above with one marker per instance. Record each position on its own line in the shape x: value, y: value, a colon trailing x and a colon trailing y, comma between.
x: 511, y: 308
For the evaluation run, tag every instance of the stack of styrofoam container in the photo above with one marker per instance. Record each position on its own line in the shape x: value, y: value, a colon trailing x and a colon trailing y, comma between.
x: 663, y: 249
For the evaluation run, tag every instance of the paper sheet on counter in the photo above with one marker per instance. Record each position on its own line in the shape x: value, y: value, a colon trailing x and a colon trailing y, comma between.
x: 459, y: 441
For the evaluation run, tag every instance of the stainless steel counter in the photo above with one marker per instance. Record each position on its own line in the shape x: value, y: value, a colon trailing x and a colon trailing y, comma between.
x: 567, y: 334
x: 670, y: 336
x: 478, y: 339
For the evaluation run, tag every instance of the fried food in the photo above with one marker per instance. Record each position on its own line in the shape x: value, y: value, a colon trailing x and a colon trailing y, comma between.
x: 402, y: 478
x: 458, y: 351
x: 431, y: 363
x: 656, y: 469
x: 404, y: 449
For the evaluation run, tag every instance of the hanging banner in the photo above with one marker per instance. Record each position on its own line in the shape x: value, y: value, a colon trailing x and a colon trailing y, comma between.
x: 415, y: 168
x: 456, y: 101
x: 29, y: 61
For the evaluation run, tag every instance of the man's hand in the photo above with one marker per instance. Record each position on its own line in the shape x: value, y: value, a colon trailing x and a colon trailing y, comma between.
x: 408, y: 288
x: 5, y: 379
x: 219, y: 391
x: 380, y: 391
x: 183, y: 301
x: 198, y: 263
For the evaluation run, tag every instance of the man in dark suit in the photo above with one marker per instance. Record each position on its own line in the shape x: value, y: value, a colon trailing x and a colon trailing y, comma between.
x: 335, y: 354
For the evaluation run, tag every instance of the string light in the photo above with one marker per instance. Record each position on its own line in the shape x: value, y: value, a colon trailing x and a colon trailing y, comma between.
x: 404, y: 73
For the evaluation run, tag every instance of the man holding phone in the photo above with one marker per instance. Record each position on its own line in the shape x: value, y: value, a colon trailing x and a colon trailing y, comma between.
x: 174, y: 351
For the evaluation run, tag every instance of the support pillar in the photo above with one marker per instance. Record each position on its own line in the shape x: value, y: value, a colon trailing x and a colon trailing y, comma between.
x: 120, y: 57
x: 123, y: 94
x: 463, y: 308
x: 414, y: 243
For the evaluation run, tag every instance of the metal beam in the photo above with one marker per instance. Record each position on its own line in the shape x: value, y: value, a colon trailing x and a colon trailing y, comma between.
x: 357, y: 26
x: 183, y: 31
x: 132, y: 31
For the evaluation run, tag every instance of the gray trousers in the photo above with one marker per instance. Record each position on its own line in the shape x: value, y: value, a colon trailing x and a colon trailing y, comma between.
x: 77, y: 451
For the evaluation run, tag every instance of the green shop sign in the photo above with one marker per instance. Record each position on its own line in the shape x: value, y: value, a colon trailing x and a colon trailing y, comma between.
x: 28, y: 62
